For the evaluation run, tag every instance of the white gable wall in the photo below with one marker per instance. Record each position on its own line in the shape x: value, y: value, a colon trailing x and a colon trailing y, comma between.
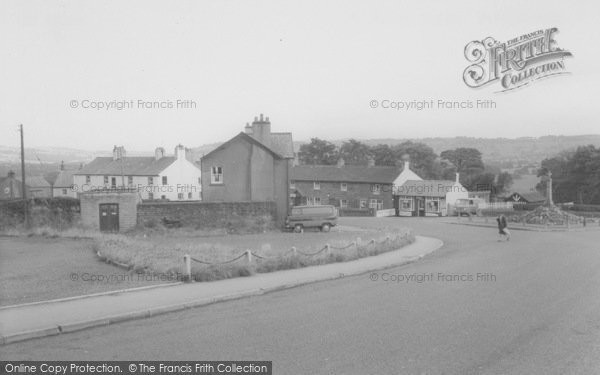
x: 183, y: 179
x: 404, y: 176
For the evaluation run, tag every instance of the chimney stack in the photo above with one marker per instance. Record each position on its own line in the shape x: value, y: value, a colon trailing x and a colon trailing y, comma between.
x: 180, y: 151
x: 457, y: 176
x: 261, y: 130
x: 159, y: 153
x: 248, y: 129
x: 118, y: 152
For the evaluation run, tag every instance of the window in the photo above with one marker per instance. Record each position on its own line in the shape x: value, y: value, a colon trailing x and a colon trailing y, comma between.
x: 343, y: 203
x: 64, y: 191
x: 376, y: 204
x: 433, y: 205
x: 189, y: 195
x: 216, y: 175
x: 130, y: 180
x: 373, y: 203
x: 164, y: 180
x: 163, y: 197
x: 150, y: 196
x: 105, y: 180
x: 179, y: 196
x: 316, y: 185
x: 292, y: 185
x: 406, y: 204
x: 150, y: 180
x: 344, y: 186
x: 362, y: 203
x: 88, y: 179
x: 376, y: 189
x: 317, y: 201
x: 113, y: 182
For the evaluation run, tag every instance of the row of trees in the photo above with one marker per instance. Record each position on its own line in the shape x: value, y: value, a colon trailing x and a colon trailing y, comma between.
x: 575, y: 175
x: 474, y: 174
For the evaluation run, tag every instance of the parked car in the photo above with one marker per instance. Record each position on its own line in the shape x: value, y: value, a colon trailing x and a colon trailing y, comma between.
x: 322, y: 217
x: 467, y: 206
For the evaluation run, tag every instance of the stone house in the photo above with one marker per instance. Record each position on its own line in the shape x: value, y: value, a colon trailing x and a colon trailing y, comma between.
x: 253, y: 166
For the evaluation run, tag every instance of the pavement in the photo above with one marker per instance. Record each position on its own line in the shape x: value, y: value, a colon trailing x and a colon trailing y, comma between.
x: 47, y: 318
x: 491, y: 223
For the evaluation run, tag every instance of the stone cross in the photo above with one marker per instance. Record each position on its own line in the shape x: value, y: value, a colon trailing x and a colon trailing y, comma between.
x: 549, y: 200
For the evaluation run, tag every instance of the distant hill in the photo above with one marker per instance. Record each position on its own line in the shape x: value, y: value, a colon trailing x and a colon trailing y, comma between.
x: 505, y: 152
x: 497, y: 150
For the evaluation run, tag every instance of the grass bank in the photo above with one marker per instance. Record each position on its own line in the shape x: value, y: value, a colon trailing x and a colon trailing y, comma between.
x: 222, y: 257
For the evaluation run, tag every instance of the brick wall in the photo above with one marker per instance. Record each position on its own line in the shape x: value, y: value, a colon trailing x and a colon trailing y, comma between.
x: 90, y: 214
x: 204, y: 214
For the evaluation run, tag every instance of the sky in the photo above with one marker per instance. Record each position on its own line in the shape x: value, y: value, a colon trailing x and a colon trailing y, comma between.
x: 313, y: 67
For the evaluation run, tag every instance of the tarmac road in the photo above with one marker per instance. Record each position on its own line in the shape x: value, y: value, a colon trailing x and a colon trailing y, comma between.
x: 476, y: 306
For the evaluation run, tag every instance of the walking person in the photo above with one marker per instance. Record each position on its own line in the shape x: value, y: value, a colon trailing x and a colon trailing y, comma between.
x: 503, y: 227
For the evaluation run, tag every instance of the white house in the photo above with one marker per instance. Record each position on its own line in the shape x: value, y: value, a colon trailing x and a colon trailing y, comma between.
x: 406, y: 175
x: 429, y: 197
x: 175, y: 178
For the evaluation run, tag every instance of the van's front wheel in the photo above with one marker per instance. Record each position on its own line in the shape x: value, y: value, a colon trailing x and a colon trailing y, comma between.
x: 325, y: 227
x: 298, y: 228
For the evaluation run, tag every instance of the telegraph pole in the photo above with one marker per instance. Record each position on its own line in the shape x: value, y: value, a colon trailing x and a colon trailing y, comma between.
x: 23, y: 188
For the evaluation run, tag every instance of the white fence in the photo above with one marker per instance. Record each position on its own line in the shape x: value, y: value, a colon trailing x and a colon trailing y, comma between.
x: 384, y: 213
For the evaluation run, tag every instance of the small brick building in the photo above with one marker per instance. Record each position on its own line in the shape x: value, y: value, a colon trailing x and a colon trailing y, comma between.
x: 109, y: 211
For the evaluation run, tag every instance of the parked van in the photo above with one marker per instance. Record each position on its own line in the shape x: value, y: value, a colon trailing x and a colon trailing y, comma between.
x: 322, y: 217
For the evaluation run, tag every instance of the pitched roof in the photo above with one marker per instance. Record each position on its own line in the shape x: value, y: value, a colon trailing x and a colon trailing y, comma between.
x: 37, y: 182
x: 132, y: 166
x: 529, y: 196
x: 346, y: 173
x: 246, y: 138
x: 282, y: 144
x: 64, y: 179
x: 428, y: 188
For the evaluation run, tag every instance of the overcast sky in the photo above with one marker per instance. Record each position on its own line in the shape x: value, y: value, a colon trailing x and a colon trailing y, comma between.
x: 313, y: 67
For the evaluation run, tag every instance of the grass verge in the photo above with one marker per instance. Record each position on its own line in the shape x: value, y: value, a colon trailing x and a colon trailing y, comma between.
x: 214, y: 255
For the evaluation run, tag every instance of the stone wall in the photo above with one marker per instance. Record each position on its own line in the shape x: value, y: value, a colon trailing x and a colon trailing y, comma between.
x: 205, y: 214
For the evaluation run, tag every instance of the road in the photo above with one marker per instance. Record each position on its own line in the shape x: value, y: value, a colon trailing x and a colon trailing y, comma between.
x: 535, y: 310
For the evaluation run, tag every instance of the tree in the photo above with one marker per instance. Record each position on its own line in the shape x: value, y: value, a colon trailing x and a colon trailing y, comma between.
x: 422, y: 158
x: 384, y: 155
x: 318, y: 152
x: 355, y: 152
x: 504, y: 181
x: 575, y: 175
x: 467, y: 162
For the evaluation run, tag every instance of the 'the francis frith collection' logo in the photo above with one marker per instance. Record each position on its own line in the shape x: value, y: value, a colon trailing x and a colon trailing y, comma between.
x: 516, y: 62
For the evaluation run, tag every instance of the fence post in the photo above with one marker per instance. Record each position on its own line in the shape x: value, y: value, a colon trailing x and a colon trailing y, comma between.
x: 249, y: 256
x: 188, y: 267
x: 294, y: 250
x: 327, y: 249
